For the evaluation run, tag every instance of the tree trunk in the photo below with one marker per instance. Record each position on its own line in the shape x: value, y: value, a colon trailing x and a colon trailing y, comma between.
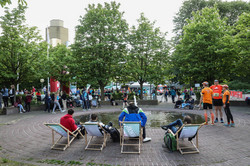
x: 141, y: 94
x: 102, y: 92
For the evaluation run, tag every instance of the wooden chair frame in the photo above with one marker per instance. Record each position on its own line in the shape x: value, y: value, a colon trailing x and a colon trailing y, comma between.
x: 193, y: 145
x: 69, y: 133
x: 122, y: 138
x: 88, y: 143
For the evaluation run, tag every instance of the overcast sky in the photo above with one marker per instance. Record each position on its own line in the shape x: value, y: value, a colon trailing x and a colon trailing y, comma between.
x: 40, y: 12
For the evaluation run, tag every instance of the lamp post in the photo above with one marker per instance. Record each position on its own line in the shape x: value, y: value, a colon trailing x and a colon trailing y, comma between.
x: 42, y: 81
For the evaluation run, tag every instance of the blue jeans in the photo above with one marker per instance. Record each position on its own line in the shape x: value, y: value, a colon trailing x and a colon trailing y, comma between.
x: 85, y: 104
x: 172, y: 126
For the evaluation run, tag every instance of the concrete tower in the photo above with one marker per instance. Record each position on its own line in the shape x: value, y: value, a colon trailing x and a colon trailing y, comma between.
x: 57, y: 33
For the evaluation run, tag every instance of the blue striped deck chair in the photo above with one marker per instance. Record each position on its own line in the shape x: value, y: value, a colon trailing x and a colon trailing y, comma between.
x: 94, y: 129
x: 187, y: 131
x: 63, y: 132
x: 131, y: 130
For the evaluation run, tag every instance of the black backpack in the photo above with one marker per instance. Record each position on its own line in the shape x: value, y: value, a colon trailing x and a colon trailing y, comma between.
x: 115, y: 135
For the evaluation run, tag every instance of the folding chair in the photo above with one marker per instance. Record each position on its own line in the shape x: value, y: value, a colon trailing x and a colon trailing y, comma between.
x: 63, y: 132
x: 131, y: 130
x: 93, y: 129
x: 188, y: 131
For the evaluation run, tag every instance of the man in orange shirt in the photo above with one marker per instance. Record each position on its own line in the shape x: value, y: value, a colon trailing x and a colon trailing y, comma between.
x: 226, y: 98
x: 206, y: 97
x: 217, y: 100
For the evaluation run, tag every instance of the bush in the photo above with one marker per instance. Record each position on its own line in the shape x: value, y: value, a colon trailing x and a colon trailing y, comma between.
x: 117, y: 96
x: 235, y: 85
x: 198, y: 95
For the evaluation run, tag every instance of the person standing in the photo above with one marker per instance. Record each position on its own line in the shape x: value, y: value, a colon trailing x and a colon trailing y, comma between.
x: 12, y: 94
x: 85, y: 99
x: 28, y: 99
x: 47, y: 102
x: 125, y: 100
x: 56, y: 103
x: 206, y: 97
x: 64, y: 100
x: 173, y: 94
x: 5, y: 96
x: 226, y: 98
x: 1, y: 97
x: 217, y: 100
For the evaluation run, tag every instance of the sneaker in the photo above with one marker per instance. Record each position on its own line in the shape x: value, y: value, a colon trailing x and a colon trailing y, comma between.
x: 21, y: 112
x: 216, y: 120
x: 146, y: 139
x: 63, y: 110
x: 212, y: 123
x: 221, y: 121
x: 227, y: 125
x: 83, y: 110
x: 232, y: 125
x: 165, y: 127
x: 53, y: 113
x: 206, y: 123
x: 24, y: 111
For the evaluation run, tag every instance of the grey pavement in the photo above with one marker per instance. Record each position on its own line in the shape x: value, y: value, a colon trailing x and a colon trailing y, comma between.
x: 23, y: 137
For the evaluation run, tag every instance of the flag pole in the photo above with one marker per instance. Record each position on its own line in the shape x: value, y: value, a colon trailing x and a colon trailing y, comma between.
x: 48, y: 41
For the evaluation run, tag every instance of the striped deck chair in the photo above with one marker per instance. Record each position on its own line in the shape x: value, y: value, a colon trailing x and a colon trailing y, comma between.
x: 188, y: 131
x: 94, y: 129
x: 131, y: 130
x: 63, y: 132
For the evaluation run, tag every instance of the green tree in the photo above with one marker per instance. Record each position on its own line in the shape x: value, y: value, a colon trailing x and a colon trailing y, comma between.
x: 59, y: 63
x: 148, y: 54
x: 242, y: 47
x: 100, y: 44
x: 204, y: 52
x: 230, y: 10
x: 22, y: 52
x: 5, y: 2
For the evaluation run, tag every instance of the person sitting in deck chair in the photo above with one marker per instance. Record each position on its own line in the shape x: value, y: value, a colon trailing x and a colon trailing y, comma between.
x: 68, y: 122
x: 172, y: 126
x: 133, y: 113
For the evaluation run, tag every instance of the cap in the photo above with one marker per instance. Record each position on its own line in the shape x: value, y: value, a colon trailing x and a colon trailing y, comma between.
x: 205, y: 83
x: 216, y: 81
x: 225, y: 86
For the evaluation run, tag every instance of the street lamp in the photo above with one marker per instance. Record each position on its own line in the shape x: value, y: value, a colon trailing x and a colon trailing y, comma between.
x: 42, y: 81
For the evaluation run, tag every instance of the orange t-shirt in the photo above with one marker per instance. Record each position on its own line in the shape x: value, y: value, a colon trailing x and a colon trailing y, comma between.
x: 217, y: 90
x: 207, y: 95
x: 225, y: 94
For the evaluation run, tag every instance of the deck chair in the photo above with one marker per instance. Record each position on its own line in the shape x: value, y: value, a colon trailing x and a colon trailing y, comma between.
x: 93, y: 129
x: 188, y: 131
x: 131, y: 130
x: 63, y: 132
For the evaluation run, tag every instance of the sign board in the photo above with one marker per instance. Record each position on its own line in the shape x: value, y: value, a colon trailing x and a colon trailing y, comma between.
x: 197, y: 85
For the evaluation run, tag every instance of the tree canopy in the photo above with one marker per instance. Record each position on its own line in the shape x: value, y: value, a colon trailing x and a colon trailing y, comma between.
x: 100, y: 44
x: 22, y: 52
x: 148, y: 53
x: 204, y: 51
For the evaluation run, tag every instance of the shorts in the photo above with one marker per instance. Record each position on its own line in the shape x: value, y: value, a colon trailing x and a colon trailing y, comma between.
x: 207, y: 105
x: 125, y: 101
x: 217, y: 102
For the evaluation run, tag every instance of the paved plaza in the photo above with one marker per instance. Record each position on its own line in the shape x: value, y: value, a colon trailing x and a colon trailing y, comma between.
x: 24, y: 138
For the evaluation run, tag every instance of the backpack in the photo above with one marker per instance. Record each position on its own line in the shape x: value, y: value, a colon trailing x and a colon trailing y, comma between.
x: 170, y: 142
x: 115, y: 134
x: 166, y: 93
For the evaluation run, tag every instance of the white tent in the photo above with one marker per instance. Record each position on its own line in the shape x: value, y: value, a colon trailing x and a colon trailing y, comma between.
x: 137, y: 85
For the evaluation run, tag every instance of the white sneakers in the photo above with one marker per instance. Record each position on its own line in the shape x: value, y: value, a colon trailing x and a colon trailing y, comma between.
x: 146, y: 139
x: 63, y: 110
